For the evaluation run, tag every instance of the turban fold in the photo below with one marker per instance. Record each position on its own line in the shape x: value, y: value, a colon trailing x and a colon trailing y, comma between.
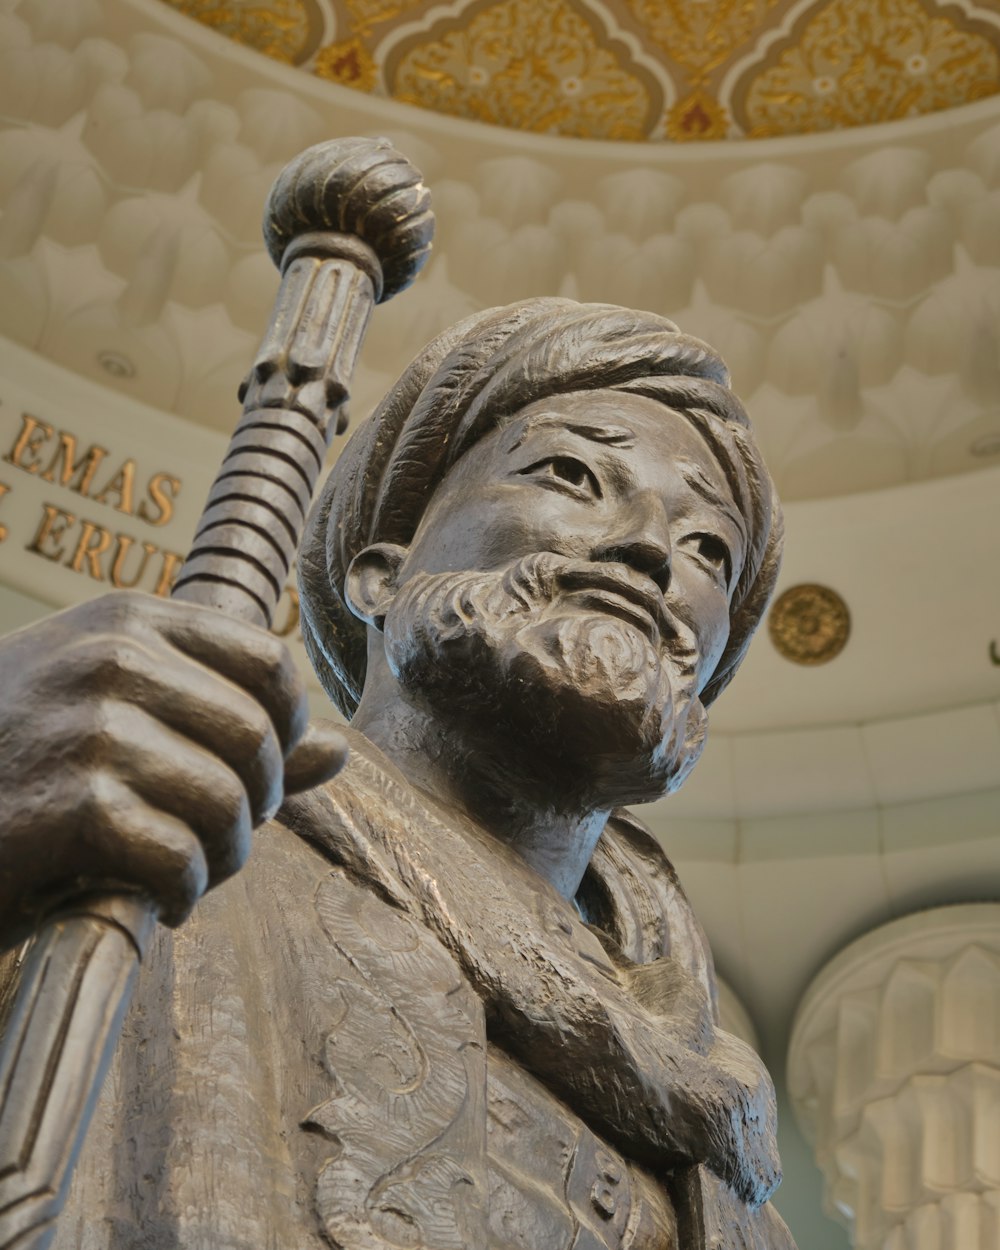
x: 468, y: 382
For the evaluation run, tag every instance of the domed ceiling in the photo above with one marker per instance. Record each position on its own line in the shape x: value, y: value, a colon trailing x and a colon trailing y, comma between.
x: 851, y: 280
x: 676, y: 70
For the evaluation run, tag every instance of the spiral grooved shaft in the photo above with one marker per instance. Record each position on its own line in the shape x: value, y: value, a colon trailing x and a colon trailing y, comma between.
x: 247, y: 536
x: 249, y: 531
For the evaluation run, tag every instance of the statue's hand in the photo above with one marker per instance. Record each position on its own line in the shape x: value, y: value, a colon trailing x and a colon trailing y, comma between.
x: 141, y: 741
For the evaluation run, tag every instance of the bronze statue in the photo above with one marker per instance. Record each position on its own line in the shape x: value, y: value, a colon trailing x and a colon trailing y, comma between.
x: 455, y: 997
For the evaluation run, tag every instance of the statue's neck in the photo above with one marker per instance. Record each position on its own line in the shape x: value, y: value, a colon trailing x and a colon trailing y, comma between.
x: 469, y: 770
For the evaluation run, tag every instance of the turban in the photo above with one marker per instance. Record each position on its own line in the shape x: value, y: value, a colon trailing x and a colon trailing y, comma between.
x: 470, y: 381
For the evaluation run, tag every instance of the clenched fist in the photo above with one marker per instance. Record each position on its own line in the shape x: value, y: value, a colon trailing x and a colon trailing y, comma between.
x: 141, y: 741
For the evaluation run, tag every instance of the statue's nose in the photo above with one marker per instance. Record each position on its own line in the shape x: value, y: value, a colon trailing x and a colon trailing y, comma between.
x: 640, y: 538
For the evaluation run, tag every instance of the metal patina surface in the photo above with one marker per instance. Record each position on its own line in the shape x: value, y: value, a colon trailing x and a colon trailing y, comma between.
x: 453, y: 997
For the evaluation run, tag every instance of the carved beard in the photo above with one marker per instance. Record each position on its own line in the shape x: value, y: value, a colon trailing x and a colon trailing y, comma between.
x: 582, y: 700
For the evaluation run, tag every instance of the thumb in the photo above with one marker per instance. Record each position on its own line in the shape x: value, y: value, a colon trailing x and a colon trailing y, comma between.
x: 317, y: 756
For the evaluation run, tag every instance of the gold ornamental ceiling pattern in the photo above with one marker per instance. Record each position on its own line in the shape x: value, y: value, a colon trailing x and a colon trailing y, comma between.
x: 677, y: 70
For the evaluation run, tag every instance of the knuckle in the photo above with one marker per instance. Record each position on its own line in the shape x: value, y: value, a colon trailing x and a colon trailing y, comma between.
x: 234, y: 852
x: 277, y: 663
x: 119, y: 610
x: 187, y: 871
x: 259, y: 734
x: 97, y: 738
x: 98, y: 808
x: 98, y: 722
x: 229, y: 847
x: 189, y: 868
x: 107, y: 659
x: 233, y: 803
x: 256, y: 756
x: 273, y: 650
x: 278, y: 668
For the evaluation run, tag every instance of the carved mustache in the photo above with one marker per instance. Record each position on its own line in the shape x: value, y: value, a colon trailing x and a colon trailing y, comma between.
x: 612, y: 588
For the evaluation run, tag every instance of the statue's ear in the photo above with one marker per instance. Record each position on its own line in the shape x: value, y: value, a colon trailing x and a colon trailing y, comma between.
x: 371, y: 582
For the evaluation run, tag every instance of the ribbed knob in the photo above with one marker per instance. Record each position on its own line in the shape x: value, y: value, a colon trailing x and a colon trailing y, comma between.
x: 358, y: 187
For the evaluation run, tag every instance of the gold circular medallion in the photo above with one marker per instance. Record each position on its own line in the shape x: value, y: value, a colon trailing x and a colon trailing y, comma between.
x: 809, y: 624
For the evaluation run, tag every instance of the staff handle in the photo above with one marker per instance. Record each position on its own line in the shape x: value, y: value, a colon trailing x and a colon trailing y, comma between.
x: 349, y: 224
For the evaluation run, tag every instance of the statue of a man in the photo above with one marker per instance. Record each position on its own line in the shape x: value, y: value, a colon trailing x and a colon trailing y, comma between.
x: 455, y: 999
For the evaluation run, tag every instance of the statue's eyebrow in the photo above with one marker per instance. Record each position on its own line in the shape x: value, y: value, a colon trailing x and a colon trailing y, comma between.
x: 610, y: 435
x: 702, y: 485
x: 607, y: 435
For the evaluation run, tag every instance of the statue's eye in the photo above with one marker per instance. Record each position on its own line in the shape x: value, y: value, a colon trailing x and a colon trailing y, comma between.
x: 566, y: 469
x: 715, y: 552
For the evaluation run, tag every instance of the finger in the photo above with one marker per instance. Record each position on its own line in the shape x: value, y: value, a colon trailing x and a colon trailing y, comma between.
x: 120, y: 842
x: 252, y: 659
x: 195, y: 702
x: 172, y: 775
x: 320, y: 754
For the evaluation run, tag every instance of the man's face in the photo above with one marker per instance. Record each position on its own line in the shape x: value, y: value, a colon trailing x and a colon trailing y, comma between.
x: 571, y: 579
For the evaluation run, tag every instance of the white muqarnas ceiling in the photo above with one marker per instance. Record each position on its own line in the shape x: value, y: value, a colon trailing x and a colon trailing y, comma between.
x: 851, y: 280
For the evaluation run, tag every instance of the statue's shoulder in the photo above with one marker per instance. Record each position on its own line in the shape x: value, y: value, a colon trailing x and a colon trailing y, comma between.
x: 352, y: 819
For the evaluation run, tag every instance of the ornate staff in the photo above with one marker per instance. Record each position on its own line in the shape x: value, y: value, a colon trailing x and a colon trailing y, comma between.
x: 348, y: 223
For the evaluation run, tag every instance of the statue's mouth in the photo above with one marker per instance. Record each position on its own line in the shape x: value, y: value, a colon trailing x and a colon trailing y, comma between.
x: 618, y: 591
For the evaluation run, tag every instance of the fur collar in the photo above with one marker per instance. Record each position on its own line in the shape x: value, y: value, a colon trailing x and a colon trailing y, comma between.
x: 616, y: 1020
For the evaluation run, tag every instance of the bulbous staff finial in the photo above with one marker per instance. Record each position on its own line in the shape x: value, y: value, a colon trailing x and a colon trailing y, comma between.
x: 363, y: 188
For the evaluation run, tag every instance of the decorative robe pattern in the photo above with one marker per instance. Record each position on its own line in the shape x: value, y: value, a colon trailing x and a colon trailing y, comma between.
x: 387, y: 1031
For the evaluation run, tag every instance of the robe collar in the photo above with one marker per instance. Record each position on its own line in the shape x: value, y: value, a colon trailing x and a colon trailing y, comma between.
x: 615, y: 1018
